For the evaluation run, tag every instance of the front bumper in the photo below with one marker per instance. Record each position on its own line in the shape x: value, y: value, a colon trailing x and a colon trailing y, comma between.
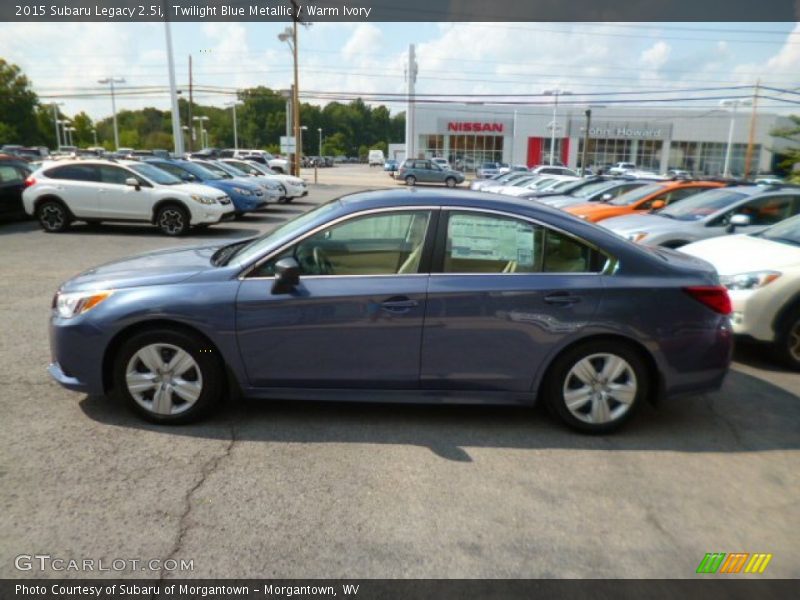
x: 71, y: 383
x: 754, y: 313
x: 210, y: 214
x: 76, y: 347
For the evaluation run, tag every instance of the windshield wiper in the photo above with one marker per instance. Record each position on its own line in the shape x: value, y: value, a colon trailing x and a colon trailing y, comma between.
x: 784, y: 240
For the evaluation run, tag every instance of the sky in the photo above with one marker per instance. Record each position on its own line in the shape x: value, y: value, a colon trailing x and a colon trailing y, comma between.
x: 66, y: 59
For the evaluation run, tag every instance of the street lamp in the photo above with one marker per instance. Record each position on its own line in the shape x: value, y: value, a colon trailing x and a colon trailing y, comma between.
x: 69, y: 131
x: 733, y: 104
x: 556, y: 92
x: 203, y: 141
x: 63, y: 134
x: 289, y: 35
x: 234, y: 104
x: 110, y: 80
x: 319, y: 130
x: 300, y: 141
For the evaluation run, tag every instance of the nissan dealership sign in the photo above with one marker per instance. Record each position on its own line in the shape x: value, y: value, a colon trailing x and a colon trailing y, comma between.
x: 482, y: 126
x: 622, y: 130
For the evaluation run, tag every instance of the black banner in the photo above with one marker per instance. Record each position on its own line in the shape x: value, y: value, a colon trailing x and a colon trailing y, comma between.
x: 394, y: 10
x: 406, y: 589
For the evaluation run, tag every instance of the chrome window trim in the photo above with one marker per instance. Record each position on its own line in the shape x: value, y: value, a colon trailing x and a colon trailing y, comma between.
x: 610, y: 267
x: 244, y: 274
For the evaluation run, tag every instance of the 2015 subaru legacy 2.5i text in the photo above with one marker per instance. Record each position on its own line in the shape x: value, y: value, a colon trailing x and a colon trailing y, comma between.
x: 400, y: 295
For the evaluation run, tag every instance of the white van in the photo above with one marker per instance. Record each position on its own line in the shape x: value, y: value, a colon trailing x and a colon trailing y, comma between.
x: 376, y: 157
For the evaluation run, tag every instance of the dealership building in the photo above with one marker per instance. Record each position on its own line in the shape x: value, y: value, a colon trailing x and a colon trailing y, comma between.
x: 655, y: 139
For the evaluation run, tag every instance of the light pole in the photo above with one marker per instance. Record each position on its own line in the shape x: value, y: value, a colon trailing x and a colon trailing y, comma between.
x: 289, y: 35
x: 94, y: 135
x: 733, y: 104
x: 63, y: 132
x: 300, y: 145
x: 556, y: 92
x: 319, y: 130
x: 111, y: 80
x: 177, y: 139
x: 234, y: 104
x: 201, y: 120
x: 55, y: 122
x: 70, y: 129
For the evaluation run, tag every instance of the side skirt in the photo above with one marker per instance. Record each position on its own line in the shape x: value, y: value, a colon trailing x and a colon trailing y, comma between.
x: 393, y: 396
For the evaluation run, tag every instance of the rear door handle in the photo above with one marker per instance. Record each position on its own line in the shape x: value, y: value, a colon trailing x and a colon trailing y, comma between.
x: 398, y: 304
x: 561, y: 298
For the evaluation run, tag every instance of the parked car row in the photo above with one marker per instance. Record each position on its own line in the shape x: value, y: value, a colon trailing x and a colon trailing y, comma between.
x: 173, y: 194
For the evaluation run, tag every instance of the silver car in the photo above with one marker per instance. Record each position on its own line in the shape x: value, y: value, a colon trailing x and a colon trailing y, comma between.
x: 599, y: 191
x: 744, y: 208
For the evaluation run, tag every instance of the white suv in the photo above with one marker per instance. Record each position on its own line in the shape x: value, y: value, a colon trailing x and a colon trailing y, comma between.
x: 99, y: 190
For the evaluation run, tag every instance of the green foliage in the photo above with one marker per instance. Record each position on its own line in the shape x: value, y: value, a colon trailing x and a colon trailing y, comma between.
x: 791, y: 157
x: 18, y: 120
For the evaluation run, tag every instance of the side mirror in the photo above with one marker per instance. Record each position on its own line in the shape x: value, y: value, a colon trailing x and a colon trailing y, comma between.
x: 133, y: 182
x: 738, y: 221
x: 657, y: 205
x: 287, y: 275
x: 606, y: 197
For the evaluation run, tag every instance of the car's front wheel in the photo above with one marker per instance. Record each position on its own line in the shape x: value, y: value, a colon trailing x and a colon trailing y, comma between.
x: 53, y: 216
x: 173, y: 220
x: 168, y: 376
x: 450, y: 182
x: 411, y: 180
x: 787, y: 346
x: 596, y: 386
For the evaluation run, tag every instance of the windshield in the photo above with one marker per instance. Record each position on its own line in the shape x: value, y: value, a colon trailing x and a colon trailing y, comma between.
x: 592, y: 188
x: 787, y: 232
x: 215, y: 168
x: 561, y: 185
x: 256, y: 247
x: 638, y: 194
x: 198, y: 171
x: 523, y: 180
x: 701, y: 205
x: 155, y: 174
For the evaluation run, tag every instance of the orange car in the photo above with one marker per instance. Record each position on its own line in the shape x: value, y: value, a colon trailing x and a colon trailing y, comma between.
x: 649, y: 197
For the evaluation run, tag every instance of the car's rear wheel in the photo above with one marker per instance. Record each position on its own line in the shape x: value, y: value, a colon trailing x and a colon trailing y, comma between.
x: 787, y: 346
x: 53, y: 216
x: 596, y: 386
x: 411, y: 180
x: 168, y: 376
x: 450, y: 182
x: 173, y: 220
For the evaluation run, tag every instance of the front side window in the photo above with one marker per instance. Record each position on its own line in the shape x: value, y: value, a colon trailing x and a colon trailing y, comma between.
x: 770, y: 209
x: 378, y: 244
x: 113, y: 175
x: 481, y: 243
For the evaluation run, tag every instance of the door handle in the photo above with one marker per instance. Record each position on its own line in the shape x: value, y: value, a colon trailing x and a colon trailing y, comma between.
x: 561, y: 298
x: 399, y: 304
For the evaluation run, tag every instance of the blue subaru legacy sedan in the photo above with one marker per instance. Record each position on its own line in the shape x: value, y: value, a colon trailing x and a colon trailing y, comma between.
x: 410, y: 295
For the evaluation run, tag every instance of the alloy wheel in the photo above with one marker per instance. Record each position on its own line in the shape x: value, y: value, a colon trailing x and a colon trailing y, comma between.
x: 53, y: 217
x: 600, y: 388
x: 171, y: 221
x: 164, y: 379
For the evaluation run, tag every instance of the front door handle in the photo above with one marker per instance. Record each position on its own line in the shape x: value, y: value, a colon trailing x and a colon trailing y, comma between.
x: 398, y: 304
x: 561, y: 298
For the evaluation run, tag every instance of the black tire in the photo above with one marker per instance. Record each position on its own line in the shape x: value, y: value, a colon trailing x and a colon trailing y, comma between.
x: 560, y: 378
x: 787, y: 344
x: 411, y: 180
x: 173, y: 220
x: 289, y: 199
x: 53, y: 216
x: 450, y: 182
x: 211, y: 375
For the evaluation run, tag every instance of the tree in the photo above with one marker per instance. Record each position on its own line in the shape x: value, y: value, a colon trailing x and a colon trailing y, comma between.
x: 334, y: 145
x: 18, y: 120
x: 791, y: 156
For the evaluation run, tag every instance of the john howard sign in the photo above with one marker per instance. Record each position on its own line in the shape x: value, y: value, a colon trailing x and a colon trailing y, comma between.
x: 621, y: 130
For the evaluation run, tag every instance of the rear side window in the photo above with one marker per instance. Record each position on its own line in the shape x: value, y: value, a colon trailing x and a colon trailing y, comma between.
x: 74, y: 173
x: 9, y: 174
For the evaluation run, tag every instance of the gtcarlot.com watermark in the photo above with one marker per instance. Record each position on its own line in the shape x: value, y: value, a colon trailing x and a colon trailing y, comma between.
x: 46, y: 562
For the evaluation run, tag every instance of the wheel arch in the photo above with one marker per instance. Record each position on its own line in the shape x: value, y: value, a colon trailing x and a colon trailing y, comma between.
x: 639, y: 347
x: 792, y: 304
x: 169, y: 201
x: 116, y: 342
x: 49, y: 196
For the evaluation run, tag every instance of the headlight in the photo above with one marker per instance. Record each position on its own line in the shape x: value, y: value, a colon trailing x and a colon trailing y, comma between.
x: 272, y: 185
x: 637, y: 237
x: 242, y: 191
x: 202, y: 199
x: 76, y: 303
x: 749, y: 281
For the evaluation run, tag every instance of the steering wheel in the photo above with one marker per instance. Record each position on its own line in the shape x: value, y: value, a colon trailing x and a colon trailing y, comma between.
x: 322, y: 262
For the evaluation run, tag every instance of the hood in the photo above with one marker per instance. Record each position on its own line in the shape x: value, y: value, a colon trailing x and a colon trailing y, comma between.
x: 154, y: 268
x: 650, y: 223
x: 596, y: 211
x: 732, y: 254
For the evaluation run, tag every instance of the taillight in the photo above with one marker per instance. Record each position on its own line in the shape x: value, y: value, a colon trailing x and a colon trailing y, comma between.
x: 30, y: 181
x: 714, y: 297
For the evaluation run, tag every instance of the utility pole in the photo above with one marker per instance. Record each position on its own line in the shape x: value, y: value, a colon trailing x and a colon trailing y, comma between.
x: 751, y: 138
x: 177, y: 137
x: 585, y: 152
x: 189, y: 120
x: 411, y: 79
x: 55, y: 122
x: 296, y: 100
x: 111, y: 80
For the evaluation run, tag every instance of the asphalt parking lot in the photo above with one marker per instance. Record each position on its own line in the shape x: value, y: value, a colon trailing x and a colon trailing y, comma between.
x: 326, y: 490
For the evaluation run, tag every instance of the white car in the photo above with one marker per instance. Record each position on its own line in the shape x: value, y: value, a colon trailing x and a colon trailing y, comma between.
x: 97, y: 190
x: 294, y: 187
x: 274, y: 162
x: 762, y: 274
x: 376, y: 158
x: 538, y: 183
x: 442, y: 162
